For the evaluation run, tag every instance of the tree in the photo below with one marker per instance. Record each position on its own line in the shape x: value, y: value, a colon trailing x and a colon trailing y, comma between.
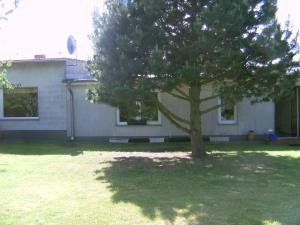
x: 179, y: 47
x: 7, y: 7
x: 4, y: 83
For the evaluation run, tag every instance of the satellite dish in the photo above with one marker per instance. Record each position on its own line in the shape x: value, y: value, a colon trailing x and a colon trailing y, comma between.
x: 71, y: 44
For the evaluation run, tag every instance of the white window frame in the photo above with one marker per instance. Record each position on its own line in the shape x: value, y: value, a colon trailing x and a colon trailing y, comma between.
x: 17, y: 118
x: 155, y: 122
x: 119, y: 122
x: 149, y: 122
x: 228, y: 122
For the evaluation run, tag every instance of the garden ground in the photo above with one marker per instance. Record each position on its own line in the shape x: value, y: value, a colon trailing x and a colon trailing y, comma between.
x: 80, y: 184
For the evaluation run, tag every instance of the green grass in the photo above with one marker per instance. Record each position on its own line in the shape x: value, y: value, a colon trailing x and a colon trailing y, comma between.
x: 64, y: 184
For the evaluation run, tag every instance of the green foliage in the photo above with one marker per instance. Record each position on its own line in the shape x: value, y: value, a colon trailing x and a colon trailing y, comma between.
x: 238, y: 47
x: 4, y: 83
x: 20, y: 102
x: 5, y: 10
x: 139, y: 113
x: 192, y: 42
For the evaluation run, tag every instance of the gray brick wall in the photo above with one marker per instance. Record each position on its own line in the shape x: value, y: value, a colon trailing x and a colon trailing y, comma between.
x: 47, y: 76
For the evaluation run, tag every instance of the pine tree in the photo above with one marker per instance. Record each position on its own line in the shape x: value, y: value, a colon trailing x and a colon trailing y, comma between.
x: 179, y: 47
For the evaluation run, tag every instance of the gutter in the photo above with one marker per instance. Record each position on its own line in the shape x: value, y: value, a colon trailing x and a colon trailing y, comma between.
x: 72, y: 138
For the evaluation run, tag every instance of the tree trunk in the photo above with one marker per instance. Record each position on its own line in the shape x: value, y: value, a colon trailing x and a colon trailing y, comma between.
x: 195, y: 120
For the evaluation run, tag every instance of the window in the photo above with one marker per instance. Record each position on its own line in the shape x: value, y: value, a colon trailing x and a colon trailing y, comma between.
x: 227, y: 112
x: 140, y: 114
x: 21, y: 102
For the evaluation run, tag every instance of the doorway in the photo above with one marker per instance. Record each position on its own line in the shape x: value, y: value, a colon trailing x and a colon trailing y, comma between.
x: 286, y: 116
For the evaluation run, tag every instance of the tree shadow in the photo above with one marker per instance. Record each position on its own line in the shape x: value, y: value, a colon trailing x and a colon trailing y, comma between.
x: 252, y: 147
x: 245, y: 188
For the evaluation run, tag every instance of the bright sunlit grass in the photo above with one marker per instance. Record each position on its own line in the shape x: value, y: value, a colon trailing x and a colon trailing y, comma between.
x: 55, y: 183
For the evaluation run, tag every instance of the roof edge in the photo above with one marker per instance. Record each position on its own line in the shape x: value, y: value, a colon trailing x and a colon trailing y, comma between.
x: 44, y: 60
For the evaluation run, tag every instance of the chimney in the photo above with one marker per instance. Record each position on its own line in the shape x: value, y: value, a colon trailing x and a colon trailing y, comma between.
x: 40, y: 57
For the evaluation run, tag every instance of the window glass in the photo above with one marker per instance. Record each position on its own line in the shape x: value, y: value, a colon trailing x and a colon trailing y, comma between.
x: 21, y: 102
x: 140, y: 114
x: 227, y: 111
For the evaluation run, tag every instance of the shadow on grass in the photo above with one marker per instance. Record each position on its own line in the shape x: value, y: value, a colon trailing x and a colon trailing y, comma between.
x: 246, y: 188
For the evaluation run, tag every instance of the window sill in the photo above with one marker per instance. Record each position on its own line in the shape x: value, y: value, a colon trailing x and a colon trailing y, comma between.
x: 150, y: 124
x: 227, y: 122
x: 20, y: 118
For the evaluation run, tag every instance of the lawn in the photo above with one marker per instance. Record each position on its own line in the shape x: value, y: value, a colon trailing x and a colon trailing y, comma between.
x: 60, y: 184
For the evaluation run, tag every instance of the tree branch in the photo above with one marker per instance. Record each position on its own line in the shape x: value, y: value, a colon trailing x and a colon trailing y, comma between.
x: 173, y: 118
x: 208, y: 81
x: 176, y: 123
x: 208, y: 98
x: 211, y: 108
x: 179, y: 96
x: 182, y: 92
x: 180, y: 119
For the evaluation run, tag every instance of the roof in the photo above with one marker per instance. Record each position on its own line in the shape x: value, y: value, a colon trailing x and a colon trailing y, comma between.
x: 79, y: 77
x: 45, y: 60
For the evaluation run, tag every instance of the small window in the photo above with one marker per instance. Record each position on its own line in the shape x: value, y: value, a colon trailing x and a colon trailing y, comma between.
x: 142, y: 114
x: 20, y: 102
x: 227, y: 112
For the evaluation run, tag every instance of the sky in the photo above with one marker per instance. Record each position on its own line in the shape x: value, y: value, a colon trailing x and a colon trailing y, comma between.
x: 43, y: 26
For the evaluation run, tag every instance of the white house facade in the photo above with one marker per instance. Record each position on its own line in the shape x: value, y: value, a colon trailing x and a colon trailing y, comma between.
x: 50, y: 102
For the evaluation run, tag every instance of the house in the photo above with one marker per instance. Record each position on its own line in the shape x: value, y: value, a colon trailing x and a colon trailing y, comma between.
x: 50, y: 102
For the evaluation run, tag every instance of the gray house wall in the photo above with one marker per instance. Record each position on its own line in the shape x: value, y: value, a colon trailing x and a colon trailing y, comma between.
x: 258, y: 117
x: 47, y: 77
x: 98, y: 120
x: 73, y: 66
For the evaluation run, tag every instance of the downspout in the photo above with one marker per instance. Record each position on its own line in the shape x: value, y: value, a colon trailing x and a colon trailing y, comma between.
x: 72, y: 138
x: 298, y: 110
